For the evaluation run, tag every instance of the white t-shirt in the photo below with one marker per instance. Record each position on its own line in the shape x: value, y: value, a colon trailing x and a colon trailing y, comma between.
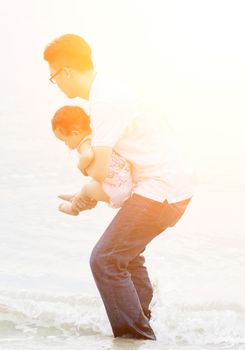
x: 159, y: 169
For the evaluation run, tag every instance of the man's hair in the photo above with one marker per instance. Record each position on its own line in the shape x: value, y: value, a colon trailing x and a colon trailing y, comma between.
x: 69, y: 50
x: 70, y: 118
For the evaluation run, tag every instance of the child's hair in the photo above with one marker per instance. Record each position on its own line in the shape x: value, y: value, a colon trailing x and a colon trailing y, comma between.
x: 70, y: 118
x: 69, y: 50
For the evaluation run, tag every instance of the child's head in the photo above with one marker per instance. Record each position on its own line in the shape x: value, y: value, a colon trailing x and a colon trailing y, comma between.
x: 71, y: 124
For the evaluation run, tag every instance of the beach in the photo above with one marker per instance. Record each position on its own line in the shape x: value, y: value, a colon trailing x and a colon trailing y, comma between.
x: 48, y: 298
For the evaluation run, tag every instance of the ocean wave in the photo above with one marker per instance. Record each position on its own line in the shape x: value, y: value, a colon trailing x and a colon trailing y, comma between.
x: 37, y: 312
x: 34, y: 313
x: 212, y: 324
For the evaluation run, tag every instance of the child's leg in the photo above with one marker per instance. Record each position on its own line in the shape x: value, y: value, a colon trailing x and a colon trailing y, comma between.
x: 95, y: 191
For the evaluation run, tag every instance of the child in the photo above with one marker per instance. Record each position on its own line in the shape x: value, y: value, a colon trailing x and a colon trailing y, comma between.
x: 71, y: 125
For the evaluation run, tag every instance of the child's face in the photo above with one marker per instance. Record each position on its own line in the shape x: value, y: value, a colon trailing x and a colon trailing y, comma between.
x: 72, y: 140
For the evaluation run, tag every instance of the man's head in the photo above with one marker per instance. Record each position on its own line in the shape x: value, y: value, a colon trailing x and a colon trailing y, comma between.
x: 69, y: 58
x: 71, y: 124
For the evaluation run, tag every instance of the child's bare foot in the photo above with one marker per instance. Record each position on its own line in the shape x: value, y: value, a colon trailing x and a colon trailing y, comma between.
x: 67, y: 209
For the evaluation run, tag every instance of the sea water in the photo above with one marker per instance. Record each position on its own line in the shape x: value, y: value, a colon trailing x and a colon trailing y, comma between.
x: 48, y: 299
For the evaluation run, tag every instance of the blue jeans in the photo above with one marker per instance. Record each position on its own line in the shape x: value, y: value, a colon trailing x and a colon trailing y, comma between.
x: 118, y: 266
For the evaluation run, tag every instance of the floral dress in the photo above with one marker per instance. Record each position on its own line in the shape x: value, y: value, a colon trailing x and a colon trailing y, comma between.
x: 118, y: 184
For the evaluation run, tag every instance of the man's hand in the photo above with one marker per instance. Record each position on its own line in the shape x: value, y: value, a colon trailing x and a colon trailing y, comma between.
x: 78, y: 201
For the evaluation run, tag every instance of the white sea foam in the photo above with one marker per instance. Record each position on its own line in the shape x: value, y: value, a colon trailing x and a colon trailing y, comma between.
x: 38, y: 313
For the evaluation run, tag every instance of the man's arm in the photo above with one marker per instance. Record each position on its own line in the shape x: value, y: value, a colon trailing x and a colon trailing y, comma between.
x: 98, y: 169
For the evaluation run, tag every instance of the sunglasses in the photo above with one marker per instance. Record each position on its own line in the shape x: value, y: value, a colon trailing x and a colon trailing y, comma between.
x: 52, y: 77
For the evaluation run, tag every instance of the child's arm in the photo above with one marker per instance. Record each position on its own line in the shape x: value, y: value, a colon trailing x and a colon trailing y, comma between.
x: 93, y: 159
x: 86, y: 155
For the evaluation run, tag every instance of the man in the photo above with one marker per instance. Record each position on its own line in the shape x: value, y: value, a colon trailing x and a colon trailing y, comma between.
x: 163, y: 185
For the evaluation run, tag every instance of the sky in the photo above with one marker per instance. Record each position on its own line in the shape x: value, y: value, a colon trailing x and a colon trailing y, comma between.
x: 186, y: 58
